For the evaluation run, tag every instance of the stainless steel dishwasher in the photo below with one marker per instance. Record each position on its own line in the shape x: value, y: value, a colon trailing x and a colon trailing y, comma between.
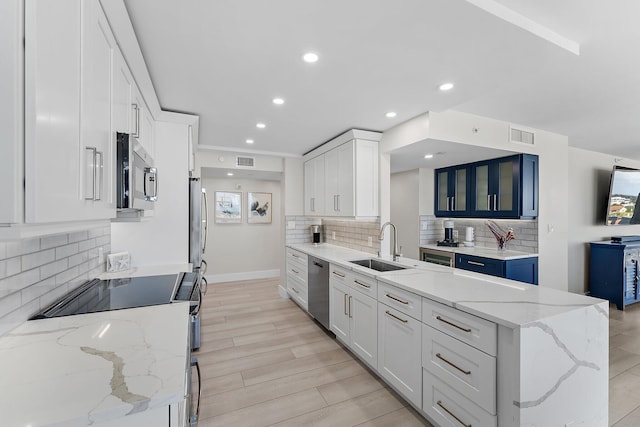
x: 319, y: 290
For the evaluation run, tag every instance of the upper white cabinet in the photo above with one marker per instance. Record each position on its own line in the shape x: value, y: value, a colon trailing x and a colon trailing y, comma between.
x: 142, y: 122
x: 341, y: 177
x: 314, y: 184
x: 122, y: 94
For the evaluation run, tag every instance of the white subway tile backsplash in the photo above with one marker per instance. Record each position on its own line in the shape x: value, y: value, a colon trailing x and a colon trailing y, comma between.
x: 35, y: 272
x: 37, y: 259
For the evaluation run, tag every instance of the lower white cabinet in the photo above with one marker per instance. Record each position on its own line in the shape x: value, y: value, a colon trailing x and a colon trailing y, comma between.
x: 399, y: 352
x: 297, y: 277
x: 160, y: 416
x: 353, y: 317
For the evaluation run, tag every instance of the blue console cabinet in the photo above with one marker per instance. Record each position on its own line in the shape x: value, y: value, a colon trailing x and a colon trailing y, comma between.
x: 520, y: 269
x: 613, y: 272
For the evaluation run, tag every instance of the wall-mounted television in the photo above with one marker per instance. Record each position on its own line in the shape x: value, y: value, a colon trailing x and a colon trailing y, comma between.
x: 624, y: 194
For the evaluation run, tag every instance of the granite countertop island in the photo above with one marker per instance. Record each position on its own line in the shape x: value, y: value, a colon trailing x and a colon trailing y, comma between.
x: 83, y: 369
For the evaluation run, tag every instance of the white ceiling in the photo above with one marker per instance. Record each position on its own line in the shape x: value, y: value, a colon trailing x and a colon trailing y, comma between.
x: 225, y: 60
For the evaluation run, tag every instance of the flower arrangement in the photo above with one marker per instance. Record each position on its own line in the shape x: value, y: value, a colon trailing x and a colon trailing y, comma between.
x: 501, y: 236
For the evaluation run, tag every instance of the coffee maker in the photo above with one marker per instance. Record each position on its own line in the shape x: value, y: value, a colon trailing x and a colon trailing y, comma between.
x: 315, y: 234
x: 449, y: 239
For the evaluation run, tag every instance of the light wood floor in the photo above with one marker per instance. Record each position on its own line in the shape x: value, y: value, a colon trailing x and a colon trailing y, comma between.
x: 265, y: 362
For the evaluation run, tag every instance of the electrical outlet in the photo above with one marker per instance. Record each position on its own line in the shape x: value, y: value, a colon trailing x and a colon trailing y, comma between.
x: 333, y: 235
x: 370, y: 241
x: 425, y: 225
x: 291, y: 225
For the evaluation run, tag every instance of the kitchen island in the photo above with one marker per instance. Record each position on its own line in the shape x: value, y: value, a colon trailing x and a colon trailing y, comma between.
x: 124, y: 367
x: 542, y: 348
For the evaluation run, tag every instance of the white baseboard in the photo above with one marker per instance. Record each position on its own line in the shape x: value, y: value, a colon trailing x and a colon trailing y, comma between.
x: 248, y: 275
x: 283, y: 292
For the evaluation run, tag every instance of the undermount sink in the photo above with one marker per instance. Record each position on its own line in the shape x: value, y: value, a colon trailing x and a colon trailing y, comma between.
x: 378, y: 265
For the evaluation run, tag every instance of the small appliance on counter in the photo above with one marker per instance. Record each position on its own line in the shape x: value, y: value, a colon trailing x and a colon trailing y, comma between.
x: 468, y: 237
x: 316, y: 234
x: 449, y: 238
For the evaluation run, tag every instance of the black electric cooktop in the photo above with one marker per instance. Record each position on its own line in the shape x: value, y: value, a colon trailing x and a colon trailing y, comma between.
x: 115, y: 294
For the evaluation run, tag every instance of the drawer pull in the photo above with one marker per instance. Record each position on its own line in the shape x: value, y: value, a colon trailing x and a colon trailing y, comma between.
x: 295, y: 256
x: 451, y: 413
x: 396, y: 299
x: 453, y: 364
x: 396, y: 317
x: 295, y: 271
x: 357, y: 282
x: 295, y: 290
x: 453, y: 324
x: 337, y: 274
x: 479, y: 264
x: 346, y: 313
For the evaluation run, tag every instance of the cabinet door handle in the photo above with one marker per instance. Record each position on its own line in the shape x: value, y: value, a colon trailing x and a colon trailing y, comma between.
x: 313, y: 204
x: 194, y: 418
x: 495, y: 202
x: 350, y: 297
x: 448, y: 203
x: 136, y: 134
x: 479, y: 264
x: 439, y: 403
x: 357, y: 282
x: 346, y: 313
x: 453, y: 203
x: 396, y: 317
x: 99, y: 175
x: 295, y: 271
x: 453, y: 324
x: 439, y: 356
x: 337, y: 274
x: 488, y: 202
x: 93, y: 156
x: 396, y: 299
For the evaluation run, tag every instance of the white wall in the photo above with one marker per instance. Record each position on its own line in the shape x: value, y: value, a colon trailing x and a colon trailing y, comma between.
x: 164, y: 238
x: 293, y: 186
x: 244, y: 251
x: 589, y: 179
x: 427, y: 191
x: 405, y: 190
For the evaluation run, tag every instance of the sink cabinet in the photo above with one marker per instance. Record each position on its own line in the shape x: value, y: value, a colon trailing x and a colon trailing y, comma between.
x: 352, y: 313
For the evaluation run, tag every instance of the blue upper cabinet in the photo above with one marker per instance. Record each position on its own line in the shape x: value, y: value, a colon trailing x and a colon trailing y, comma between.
x: 453, y: 198
x: 498, y: 188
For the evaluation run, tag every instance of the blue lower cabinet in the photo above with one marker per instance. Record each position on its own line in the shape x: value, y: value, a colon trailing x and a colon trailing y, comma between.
x: 614, y: 272
x: 521, y: 269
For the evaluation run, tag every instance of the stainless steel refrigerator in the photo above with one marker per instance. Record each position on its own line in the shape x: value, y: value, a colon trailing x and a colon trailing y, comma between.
x: 198, y: 214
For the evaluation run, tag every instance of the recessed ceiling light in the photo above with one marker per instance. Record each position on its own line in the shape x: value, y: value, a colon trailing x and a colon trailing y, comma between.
x: 446, y: 86
x: 261, y: 125
x: 229, y: 173
x: 278, y: 101
x: 428, y: 156
x: 249, y: 141
x: 391, y: 114
x: 310, y: 57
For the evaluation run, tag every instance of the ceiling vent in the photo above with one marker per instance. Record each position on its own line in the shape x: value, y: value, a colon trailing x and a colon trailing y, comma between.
x: 522, y: 136
x: 245, y: 162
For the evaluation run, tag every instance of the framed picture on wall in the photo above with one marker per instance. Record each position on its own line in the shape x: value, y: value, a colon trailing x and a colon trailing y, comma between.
x: 259, y: 208
x: 228, y: 207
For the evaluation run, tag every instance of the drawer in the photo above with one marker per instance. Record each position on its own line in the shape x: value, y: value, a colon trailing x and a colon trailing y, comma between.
x: 464, y: 368
x: 297, y: 257
x: 448, y: 408
x: 339, y: 274
x: 493, y: 267
x: 479, y: 333
x: 364, y: 284
x: 404, y: 301
x: 298, y: 293
x: 294, y: 270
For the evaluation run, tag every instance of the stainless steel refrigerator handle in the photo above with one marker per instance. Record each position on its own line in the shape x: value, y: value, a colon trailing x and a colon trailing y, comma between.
x: 93, y: 163
x: 193, y: 420
x: 206, y: 222
x: 206, y: 285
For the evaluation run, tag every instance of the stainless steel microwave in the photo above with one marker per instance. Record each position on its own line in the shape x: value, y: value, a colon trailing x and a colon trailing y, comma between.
x: 136, y: 178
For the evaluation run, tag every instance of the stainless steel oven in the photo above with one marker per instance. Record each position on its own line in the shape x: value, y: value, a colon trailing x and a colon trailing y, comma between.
x: 136, y: 178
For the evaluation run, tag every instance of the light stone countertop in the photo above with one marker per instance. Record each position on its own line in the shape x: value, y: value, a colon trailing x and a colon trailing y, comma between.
x: 480, y: 251
x: 506, y: 302
x: 147, y: 270
x: 77, y: 370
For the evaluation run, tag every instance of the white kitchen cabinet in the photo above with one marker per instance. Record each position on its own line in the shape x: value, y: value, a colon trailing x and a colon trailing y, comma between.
x: 353, y: 317
x: 399, y: 352
x: 69, y: 154
x: 314, y: 184
x: 297, y: 277
x: 123, y: 85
